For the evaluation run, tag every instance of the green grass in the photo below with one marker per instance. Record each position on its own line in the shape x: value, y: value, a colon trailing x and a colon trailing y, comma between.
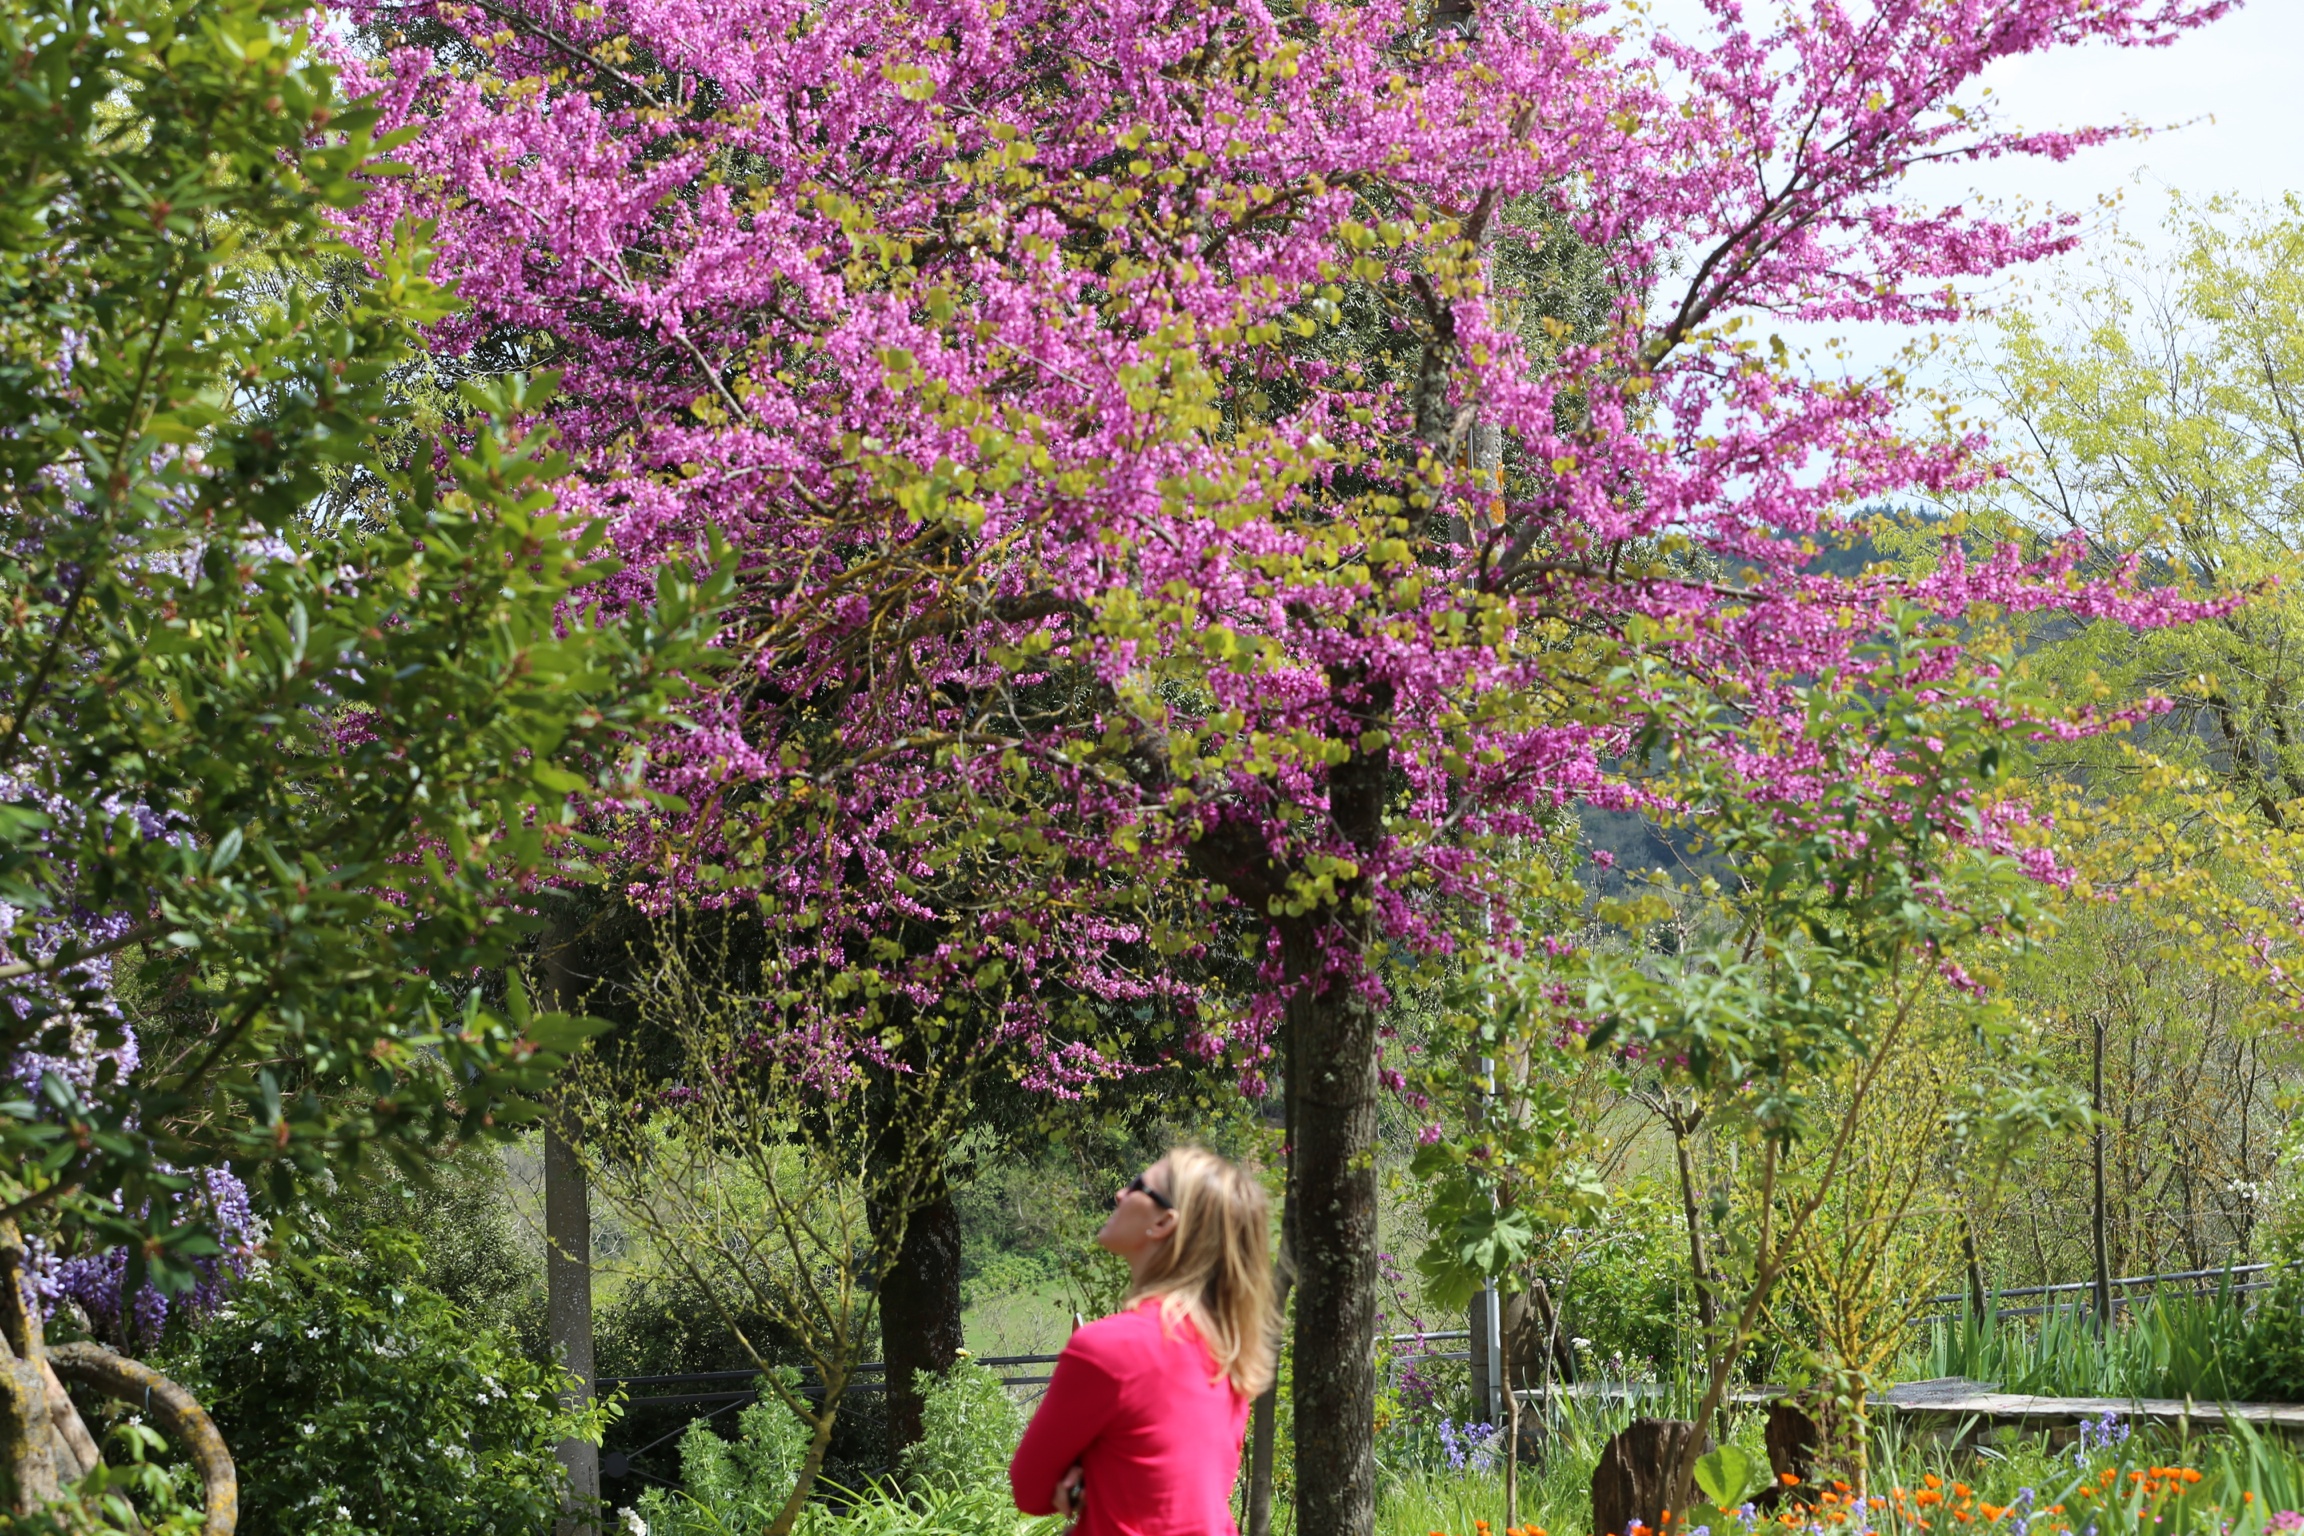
x: 2198, y: 1347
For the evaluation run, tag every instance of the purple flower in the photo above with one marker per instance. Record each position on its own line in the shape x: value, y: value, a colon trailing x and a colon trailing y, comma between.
x: 2099, y: 1435
x: 1472, y: 1448
x: 97, y: 1281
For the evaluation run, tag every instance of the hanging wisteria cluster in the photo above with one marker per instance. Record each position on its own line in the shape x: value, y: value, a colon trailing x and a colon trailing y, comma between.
x: 85, y: 1042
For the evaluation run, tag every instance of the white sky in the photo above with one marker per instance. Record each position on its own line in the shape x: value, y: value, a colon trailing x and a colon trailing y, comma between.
x: 2236, y: 87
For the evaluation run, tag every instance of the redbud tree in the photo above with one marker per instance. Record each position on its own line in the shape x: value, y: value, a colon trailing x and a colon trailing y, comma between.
x: 1142, y: 486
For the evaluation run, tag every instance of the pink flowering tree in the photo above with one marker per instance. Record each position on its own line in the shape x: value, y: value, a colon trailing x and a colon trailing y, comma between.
x: 1140, y: 472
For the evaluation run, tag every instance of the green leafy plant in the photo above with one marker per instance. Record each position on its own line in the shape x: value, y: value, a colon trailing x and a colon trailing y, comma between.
x: 970, y: 1427
x: 296, y: 692
x: 359, y: 1402
x: 1729, y: 1475
x: 955, y: 1479
x: 726, y: 1486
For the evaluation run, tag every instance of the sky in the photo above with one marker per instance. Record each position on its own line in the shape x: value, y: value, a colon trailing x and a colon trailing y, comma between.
x: 2228, y: 97
x: 2233, y: 85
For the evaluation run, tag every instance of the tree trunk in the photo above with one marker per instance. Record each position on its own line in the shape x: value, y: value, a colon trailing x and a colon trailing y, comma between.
x: 1684, y: 1126
x: 1263, y: 1430
x: 920, y: 1311
x: 1539, y: 1347
x: 28, y: 1471
x: 43, y: 1442
x: 1335, y: 1228
x: 812, y: 1461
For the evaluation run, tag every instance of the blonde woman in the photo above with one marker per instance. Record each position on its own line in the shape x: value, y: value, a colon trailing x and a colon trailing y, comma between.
x: 1140, y: 1432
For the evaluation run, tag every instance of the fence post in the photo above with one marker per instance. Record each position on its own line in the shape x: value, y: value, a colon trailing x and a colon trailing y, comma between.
x: 2103, y: 1247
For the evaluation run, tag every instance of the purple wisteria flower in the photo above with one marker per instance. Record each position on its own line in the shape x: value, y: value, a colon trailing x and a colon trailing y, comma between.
x: 97, y: 1282
x: 84, y: 1040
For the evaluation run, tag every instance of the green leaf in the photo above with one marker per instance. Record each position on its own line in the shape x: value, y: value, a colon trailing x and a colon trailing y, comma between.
x: 1729, y: 1475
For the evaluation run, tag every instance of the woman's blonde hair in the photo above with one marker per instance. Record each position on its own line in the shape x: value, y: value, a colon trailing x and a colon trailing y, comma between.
x: 1216, y: 1268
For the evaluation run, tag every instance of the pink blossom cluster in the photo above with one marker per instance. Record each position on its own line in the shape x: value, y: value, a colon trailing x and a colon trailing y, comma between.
x: 997, y: 338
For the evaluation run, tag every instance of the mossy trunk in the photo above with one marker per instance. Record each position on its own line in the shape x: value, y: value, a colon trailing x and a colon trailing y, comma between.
x: 920, y: 1311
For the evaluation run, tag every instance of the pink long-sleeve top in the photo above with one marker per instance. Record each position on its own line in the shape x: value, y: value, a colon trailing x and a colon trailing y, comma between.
x: 1153, y: 1424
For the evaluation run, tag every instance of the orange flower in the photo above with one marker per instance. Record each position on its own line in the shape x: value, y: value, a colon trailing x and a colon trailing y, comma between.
x: 1933, y: 1481
x: 1788, y: 1479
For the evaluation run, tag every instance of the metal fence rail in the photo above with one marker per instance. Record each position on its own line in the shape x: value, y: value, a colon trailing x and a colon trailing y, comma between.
x: 715, y: 1392
x: 2197, y: 1282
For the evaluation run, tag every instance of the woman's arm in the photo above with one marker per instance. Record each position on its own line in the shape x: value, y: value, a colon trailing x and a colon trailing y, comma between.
x: 1082, y: 1395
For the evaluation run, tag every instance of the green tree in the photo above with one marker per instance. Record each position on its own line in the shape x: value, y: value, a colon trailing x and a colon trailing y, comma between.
x: 2157, y: 411
x: 298, y: 749
x: 296, y: 693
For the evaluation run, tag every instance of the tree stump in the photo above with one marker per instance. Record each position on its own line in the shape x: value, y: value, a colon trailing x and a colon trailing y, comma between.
x: 1794, y: 1440
x: 1634, y: 1478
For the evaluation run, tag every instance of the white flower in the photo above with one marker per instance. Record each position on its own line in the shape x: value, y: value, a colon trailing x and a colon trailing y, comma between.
x: 256, y: 1348
x: 308, y: 1429
x: 314, y: 1331
x: 633, y: 1523
x: 342, y: 1513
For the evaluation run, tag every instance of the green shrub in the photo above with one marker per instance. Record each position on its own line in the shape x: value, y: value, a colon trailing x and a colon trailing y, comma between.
x: 730, y: 1486
x: 970, y: 1427
x: 955, y: 1479
x: 933, y: 1512
x: 474, y: 1254
x: 360, y: 1402
x: 2275, y: 1369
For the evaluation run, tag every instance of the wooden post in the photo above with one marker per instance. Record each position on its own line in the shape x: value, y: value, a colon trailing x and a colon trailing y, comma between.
x: 1975, y: 1265
x: 2103, y: 1250
x: 568, y: 1258
x: 1264, y: 1426
x: 1511, y: 1427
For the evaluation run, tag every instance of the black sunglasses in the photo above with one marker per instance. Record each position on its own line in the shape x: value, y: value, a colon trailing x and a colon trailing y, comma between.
x: 1137, y: 1185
